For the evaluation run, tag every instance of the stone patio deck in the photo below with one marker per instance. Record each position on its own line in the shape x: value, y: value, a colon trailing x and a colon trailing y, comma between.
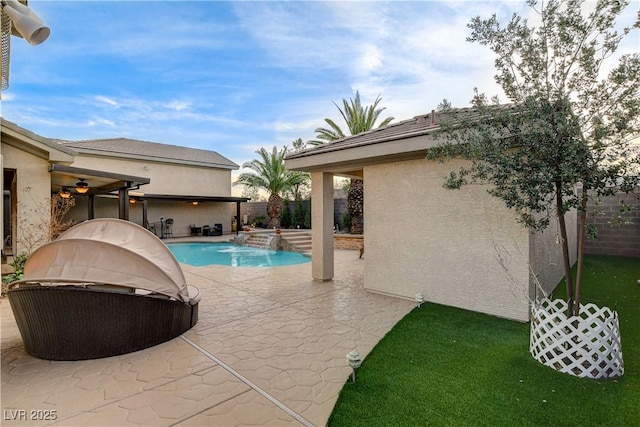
x: 269, y: 350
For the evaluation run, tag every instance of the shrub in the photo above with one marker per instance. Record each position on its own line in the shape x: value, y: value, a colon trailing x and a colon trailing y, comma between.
x: 18, y: 272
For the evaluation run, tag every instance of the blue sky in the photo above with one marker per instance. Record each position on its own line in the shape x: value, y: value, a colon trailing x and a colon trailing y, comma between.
x: 236, y: 76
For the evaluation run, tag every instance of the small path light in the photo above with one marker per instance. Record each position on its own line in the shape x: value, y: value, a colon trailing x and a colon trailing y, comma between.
x: 419, y: 299
x: 354, y: 360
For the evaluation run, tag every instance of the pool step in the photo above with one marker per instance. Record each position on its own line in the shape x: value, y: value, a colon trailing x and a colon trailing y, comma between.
x: 258, y: 241
x: 300, y: 240
x: 297, y: 239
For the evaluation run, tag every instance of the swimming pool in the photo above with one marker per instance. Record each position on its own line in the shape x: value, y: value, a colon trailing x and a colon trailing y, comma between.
x: 207, y: 253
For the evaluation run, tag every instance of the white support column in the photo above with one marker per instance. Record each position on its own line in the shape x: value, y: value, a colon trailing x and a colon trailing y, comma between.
x: 322, y: 226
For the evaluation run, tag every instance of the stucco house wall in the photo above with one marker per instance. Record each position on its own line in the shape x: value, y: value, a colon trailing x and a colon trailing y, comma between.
x: 451, y: 252
x: 165, y: 178
x: 183, y: 213
x: 33, y: 193
x: 462, y: 248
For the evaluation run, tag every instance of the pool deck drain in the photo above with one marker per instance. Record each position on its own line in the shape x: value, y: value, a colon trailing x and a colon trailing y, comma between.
x: 268, y: 350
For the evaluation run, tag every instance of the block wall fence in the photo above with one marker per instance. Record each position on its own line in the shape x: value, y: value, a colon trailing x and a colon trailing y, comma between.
x: 617, y: 219
x: 253, y: 210
x: 618, y: 231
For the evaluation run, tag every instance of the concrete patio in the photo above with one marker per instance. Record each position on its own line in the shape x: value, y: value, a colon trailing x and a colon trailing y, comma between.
x: 269, y: 350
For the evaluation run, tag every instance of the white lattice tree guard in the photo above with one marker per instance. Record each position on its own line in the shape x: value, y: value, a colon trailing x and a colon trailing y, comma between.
x: 585, y: 346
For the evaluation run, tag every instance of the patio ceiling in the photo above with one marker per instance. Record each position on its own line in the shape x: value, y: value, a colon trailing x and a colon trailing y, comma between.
x: 99, y: 182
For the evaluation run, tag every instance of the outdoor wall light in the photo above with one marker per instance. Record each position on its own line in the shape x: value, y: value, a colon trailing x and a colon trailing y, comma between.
x: 194, y: 203
x: 354, y: 360
x: 132, y: 201
x: 419, y: 299
x: 26, y: 23
x: 81, y: 186
x: 64, y: 193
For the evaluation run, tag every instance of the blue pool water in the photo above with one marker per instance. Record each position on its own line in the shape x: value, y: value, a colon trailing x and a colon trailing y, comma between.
x: 200, y: 254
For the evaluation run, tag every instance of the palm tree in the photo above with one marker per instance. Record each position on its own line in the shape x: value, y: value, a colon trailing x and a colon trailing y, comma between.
x: 359, y: 119
x: 270, y: 174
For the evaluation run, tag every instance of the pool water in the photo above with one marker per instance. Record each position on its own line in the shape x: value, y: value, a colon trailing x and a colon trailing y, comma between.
x: 201, y: 254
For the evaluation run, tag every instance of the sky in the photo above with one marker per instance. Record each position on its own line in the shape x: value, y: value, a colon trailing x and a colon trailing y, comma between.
x: 233, y: 77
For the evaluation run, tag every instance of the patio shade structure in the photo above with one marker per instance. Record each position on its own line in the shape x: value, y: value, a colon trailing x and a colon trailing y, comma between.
x: 199, y: 199
x: 99, y: 182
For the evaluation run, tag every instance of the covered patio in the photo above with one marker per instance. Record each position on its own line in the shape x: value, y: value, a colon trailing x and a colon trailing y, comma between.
x: 462, y: 248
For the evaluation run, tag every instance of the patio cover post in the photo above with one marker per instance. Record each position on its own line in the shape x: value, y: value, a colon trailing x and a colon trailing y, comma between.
x: 237, y: 218
x: 123, y: 202
x: 91, y: 206
x: 322, y: 226
x: 145, y: 219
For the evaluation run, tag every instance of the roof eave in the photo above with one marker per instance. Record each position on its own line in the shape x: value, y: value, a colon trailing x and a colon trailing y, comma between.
x: 345, y: 157
x: 157, y: 159
x: 40, y: 146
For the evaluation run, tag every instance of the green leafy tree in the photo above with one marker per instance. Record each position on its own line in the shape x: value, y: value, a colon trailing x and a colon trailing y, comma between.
x: 307, y: 217
x: 569, y: 123
x: 298, y: 145
x: 359, y: 118
x: 298, y: 214
x: 285, y: 221
x: 269, y: 173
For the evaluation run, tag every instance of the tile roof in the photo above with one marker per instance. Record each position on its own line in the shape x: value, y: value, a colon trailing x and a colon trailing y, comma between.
x: 417, y: 126
x: 125, y: 147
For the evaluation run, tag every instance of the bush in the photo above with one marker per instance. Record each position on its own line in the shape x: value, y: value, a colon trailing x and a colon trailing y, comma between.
x: 18, y: 272
x: 298, y: 215
x: 260, y: 221
x: 285, y: 221
x: 307, y: 217
x: 346, y: 222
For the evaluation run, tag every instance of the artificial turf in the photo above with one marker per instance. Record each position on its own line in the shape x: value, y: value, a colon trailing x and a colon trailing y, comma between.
x: 450, y: 367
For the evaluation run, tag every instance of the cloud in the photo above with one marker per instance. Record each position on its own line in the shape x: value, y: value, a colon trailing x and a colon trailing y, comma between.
x: 237, y: 76
x: 99, y: 121
x: 105, y: 100
x: 178, y: 105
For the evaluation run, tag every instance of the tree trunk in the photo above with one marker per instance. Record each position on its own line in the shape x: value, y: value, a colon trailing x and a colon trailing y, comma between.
x: 274, y: 210
x: 355, y: 205
x: 565, y: 248
x: 582, y: 228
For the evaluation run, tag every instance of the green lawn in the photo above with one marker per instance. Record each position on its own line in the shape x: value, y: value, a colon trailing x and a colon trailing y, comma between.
x: 445, y: 366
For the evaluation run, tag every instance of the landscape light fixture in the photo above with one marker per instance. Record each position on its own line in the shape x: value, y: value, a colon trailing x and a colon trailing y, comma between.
x: 419, y: 299
x: 18, y: 19
x: 81, y: 186
x: 354, y: 360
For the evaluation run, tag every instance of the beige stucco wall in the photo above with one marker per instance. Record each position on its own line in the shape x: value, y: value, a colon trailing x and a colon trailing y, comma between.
x: 33, y: 192
x: 166, y: 179
x: 183, y: 213
x: 176, y: 179
x: 461, y: 248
